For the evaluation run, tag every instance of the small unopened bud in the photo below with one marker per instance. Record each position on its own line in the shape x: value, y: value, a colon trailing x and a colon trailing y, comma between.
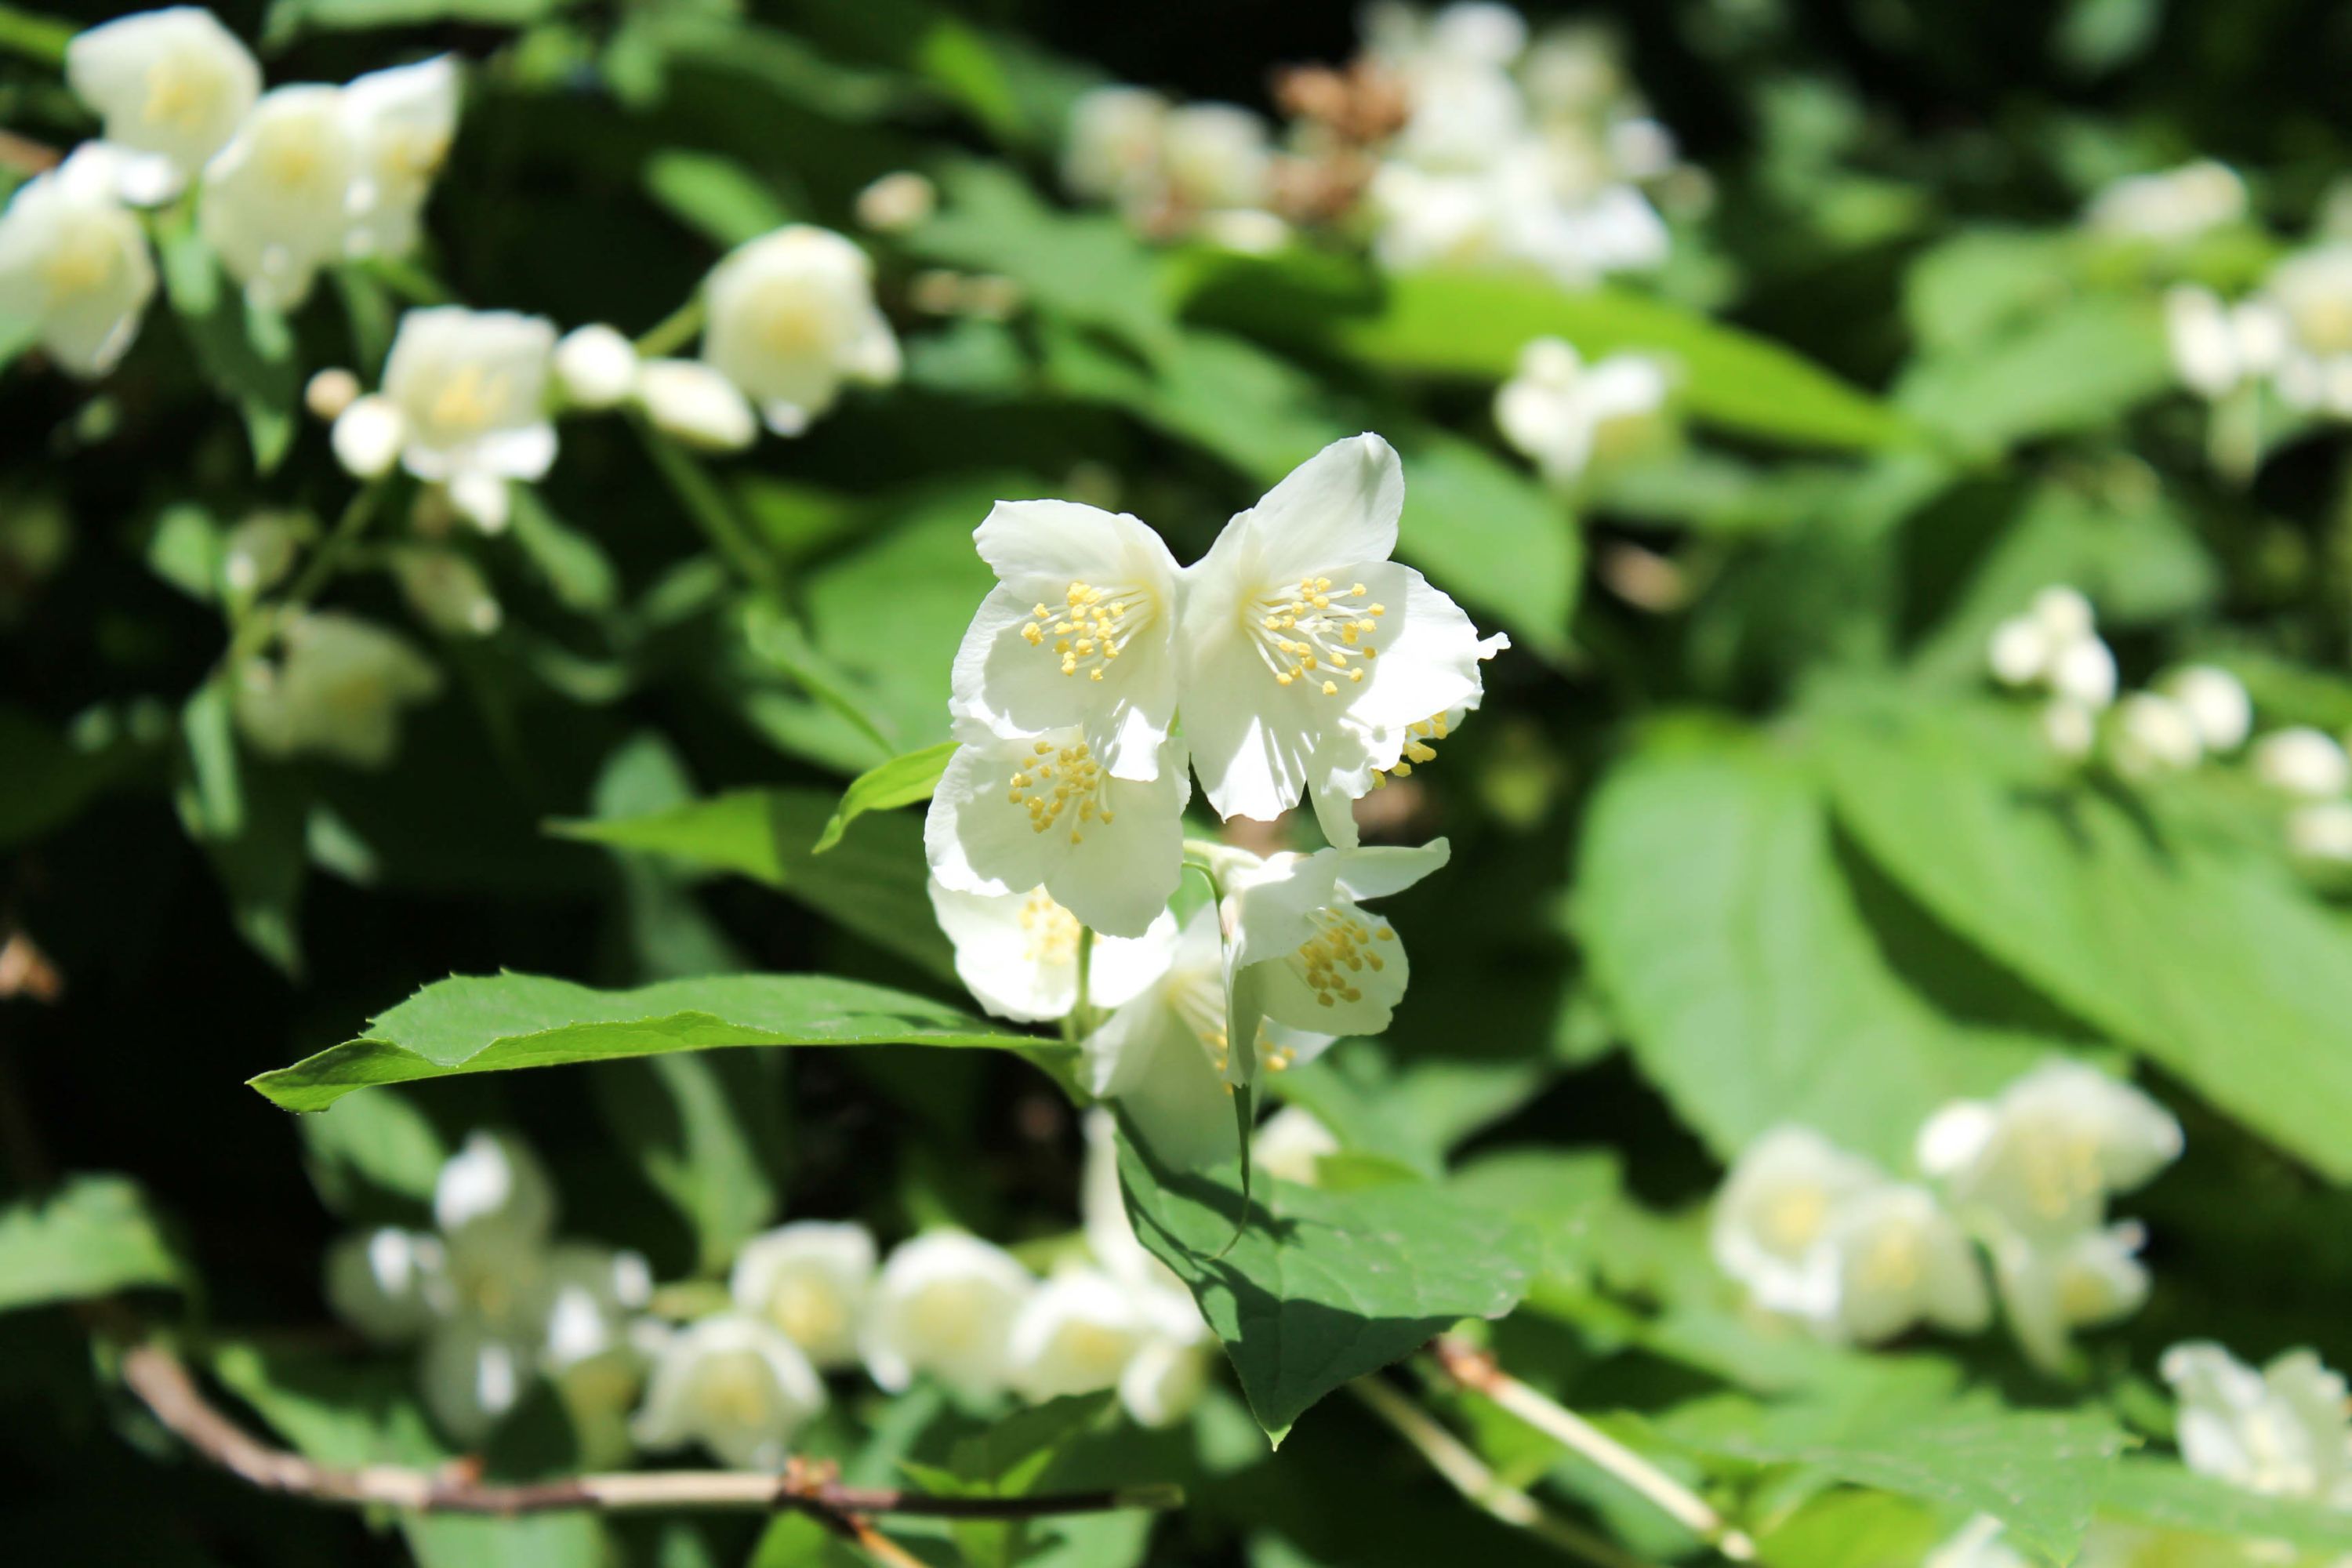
x: 2321, y: 832
x: 2155, y: 734
x: 330, y: 392
x: 896, y: 202
x: 447, y: 592
x: 596, y: 366
x: 2083, y: 671
x: 2019, y: 653
x: 2302, y: 760
x: 689, y: 400
x: 994, y: 299
x: 481, y: 499
x: 368, y: 435
x: 936, y: 292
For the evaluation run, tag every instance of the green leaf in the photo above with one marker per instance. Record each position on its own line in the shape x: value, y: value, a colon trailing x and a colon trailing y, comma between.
x: 246, y: 355
x: 577, y: 570
x: 2074, y: 368
x: 383, y: 1141
x: 714, y: 195
x: 1733, y: 952
x: 92, y: 1236
x: 2211, y: 960
x: 2161, y: 1493
x: 289, y: 17
x: 901, y: 781
x: 494, y: 1023
x: 705, y: 1130
x: 49, y: 778
x: 1475, y: 324
x: 1322, y: 1287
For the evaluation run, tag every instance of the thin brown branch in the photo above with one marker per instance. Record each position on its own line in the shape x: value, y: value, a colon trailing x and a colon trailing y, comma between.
x: 162, y: 1382
x: 1474, y: 1369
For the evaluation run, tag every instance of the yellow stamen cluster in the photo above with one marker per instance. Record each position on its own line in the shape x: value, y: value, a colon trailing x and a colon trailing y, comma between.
x: 1792, y: 1219
x: 1088, y: 632
x: 2061, y: 1171
x: 1053, y: 930
x: 1417, y: 749
x: 1333, y: 634
x: 1340, y: 948
x: 1062, y: 780
x: 466, y: 403
x: 1893, y: 1261
x: 82, y: 262
x: 178, y: 94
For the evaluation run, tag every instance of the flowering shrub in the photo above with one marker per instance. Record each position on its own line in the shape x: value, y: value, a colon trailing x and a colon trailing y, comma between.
x: 788, y: 784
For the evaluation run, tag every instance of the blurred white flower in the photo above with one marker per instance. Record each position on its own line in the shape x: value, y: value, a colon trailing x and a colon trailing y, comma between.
x: 2019, y: 651
x: 336, y: 689
x: 2216, y: 702
x: 171, y: 87
x: 2280, y: 1432
x: 1111, y: 152
x: 1291, y: 1144
x: 2084, y: 672
x: 1013, y: 813
x: 1163, y: 1379
x: 2173, y: 206
x: 595, y: 366
x: 2049, y: 1286
x: 2312, y: 292
x: 810, y: 1280
x: 2043, y: 1156
x: 792, y: 319
x: 1018, y: 953
x: 896, y: 201
x: 471, y: 389
x: 1079, y: 632
x: 2216, y: 347
x: 2155, y: 734
x: 367, y: 437
x: 1075, y: 1335
x: 472, y: 1372
x: 275, y: 200
x: 945, y: 1305
x: 2302, y: 760
x: 400, y: 122
x: 329, y: 392
x: 2321, y: 831
x: 688, y: 399
x: 387, y: 1283
x: 447, y: 592
x: 1308, y: 654
x: 1900, y: 1259
x: 1301, y: 950
x: 734, y: 1384
x: 1566, y: 415
x: 1771, y: 1229
x: 74, y: 265
x: 493, y: 1196
x: 1214, y: 157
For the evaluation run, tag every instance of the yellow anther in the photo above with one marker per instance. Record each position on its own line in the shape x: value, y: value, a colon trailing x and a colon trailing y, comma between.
x: 1041, y: 747
x: 1379, y: 781
x: 1282, y: 677
x: 1042, y: 613
x: 1377, y: 609
x: 1030, y: 635
x: 1355, y: 675
x: 1330, y: 689
x: 1384, y: 933
x: 1356, y: 592
x: 1401, y: 770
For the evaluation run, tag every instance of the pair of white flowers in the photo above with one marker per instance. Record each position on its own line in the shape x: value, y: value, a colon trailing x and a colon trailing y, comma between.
x: 1568, y: 416
x: 1172, y: 169
x: 1823, y: 1236
x: 2054, y: 645
x: 2294, y: 335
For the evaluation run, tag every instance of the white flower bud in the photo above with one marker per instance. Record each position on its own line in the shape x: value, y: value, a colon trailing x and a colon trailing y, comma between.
x: 1112, y: 150
x: 2064, y: 614
x: 2070, y: 729
x: 74, y: 266
x: 2280, y: 1432
x: 734, y: 1384
x: 367, y: 437
x: 809, y: 1279
x: 1075, y: 1335
x: 2203, y: 338
x: 492, y: 1195
x: 482, y: 499
x: 945, y: 1304
x: 2216, y: 702
x: 2084, y: 672
x: 2303, y: 762
x: 792, y: 318
x: 896, y: 201
x: 688, y: 399
x: 329, y: 391
x: 275, y: 201
x: 2154, y: 735
x: 1214, y: 156
x: 1291, y: 1145
x: 1771, y: 1225
x: 2171, y: 205
x: 2321, y: 831
x: 388, y: 1284
x: 1245, y: 231
x: 448, y: 591
x: 171, y: 86
x: 2019, y: 651
x: 595, y: 366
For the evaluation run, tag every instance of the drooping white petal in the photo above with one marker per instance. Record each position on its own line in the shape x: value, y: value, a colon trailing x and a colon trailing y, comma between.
x: 402, y: 123
x: 809, y: 1279
x: 75, y: 265
x: 171, y: 83
x: 1018, y: 952
x: 2049, y: 1288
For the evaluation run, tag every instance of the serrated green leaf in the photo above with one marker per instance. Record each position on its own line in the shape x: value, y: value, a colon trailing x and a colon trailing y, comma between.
x: 1733, y: 952
x: 494, y: 1023
x: 2209, y: 959
x: 92, y: 1236
x: 1318, y: 1287
x: 901, y: 781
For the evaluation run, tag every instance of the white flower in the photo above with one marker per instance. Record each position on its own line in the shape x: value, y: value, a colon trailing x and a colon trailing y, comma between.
x: 336, y: 689
x: 401, y: 123
x: 809, y: 1279
x: 1013, y: 813
x: 1162, y: 1058
x: 586, y: 1295
x: 2321, y: 831
x: 389, y: 1284
x: 2216, y: 347
x: 74, y: 265
x: 1771, y: 1229
x: 1018, y: 953
x: 792, y: 317
x: 1301, y: 950
x: 2174, y: 206
x: 688, y: 399
x: 2019, y: 651
x: 1564, y: 416
x: 472, y: 1372
x: 2155, y: 734
x: 733, y: 1385
x: 2312, y: 294
x: 1290, y: 1146
x: 493, y: 1196
x: 1307, y: 653
x: 471, y: 389
x: 2280, y: 1432
x: 367, y: 437
x: 2301, y: 760
x: 1901, y: 1259
x: 1111, y: 150
x: 171, y: 87
x: 896, y: 201
x: 945, y: 1305
x: 2050, y: 1287
x: 1080, y: 631
x: 2070, y: 728
x: 275, y: 200
x: 2043, y: 1157
x: 1075, y: 1335
x: 1214, y: 157
x: 2084, y: 672
x: 2216, y: 702
x: 595, y: 366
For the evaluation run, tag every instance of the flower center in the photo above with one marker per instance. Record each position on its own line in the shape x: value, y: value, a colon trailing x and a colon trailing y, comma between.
x: 1062, y: 782
x: 289, y: 157
x: 412, y: 154
x: 1417, y: 749
x: 809, y: 1313
x: 2060, y: 1172
x: 792, y: 321
x: 1893, y: 1261
x: 1052, y: 931
x: 80, y: 263
x: 1341, y: 948
x: 1793, y: 1218
x: 179, y: 93
x: 734, y: 1391
x: 1314, y: 633
x: 1093, y: 1352
x: 945, y: 1318
x: 1092, y: 627
x: 466, y: 403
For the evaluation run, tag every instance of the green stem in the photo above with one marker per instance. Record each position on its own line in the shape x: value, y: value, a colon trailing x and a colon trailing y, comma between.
x: 708, y: 506
x: 673, y: 332
x: 261, y: 623
x: 36, y: 38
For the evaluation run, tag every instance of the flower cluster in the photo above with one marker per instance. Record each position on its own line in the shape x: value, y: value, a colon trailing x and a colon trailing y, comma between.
x: 2293, y: 335
x: 497, y: 1304
x: 1822, y: 1235
x: 2191, y: 714
x: 286, y: 182
x: 1303, y: 661
x: 1567, y: 416
x: 1175, y: 169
